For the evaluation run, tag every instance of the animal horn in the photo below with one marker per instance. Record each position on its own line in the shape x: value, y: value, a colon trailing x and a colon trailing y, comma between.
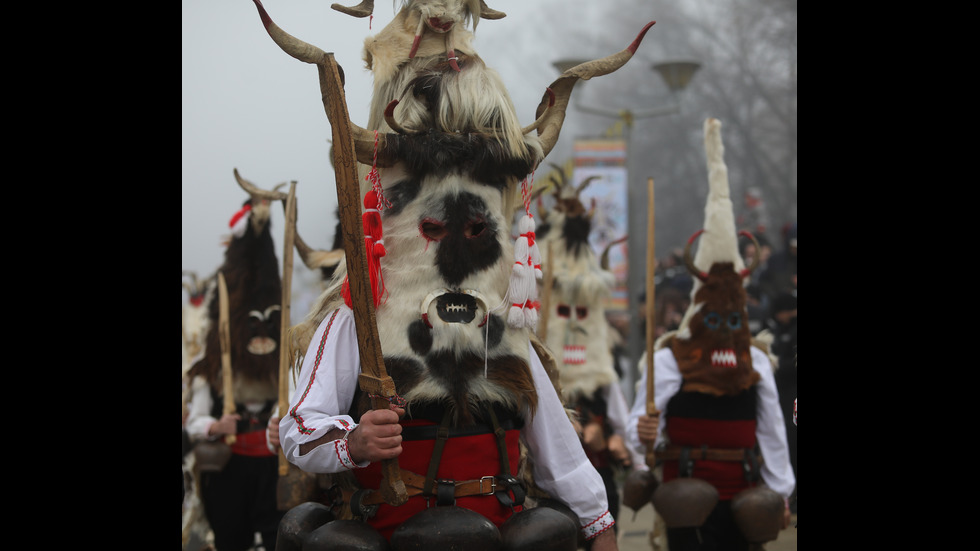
x: 549, y: 129
x: 689, y: 262
x: 390, y: 118
x: 581, y: 186
x: 604, y: 259
x: 257, y: 192
x: 537, y: 123
x: 364, y: 142
x: 755, y: 259
x: 560, y: 182
x: 487, y: 13
x: 364, y: 9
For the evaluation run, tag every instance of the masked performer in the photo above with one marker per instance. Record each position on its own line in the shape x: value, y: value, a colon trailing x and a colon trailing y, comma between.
x: 714, y: 389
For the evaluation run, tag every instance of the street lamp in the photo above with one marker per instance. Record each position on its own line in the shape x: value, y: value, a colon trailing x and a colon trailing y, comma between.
x: 676, y: 75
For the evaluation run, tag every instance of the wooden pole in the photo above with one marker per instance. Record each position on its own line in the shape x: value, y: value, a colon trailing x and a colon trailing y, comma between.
x: 651, y: 319
x: 374, y: 379
x: 549, y: 271
x: 287, y: 286
x: 224, y: 335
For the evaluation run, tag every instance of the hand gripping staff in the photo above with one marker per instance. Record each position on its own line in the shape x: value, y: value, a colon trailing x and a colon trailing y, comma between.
x: 373, y: 379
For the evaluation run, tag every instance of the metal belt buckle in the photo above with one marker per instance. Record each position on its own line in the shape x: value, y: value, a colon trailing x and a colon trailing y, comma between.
x: 493, y: 485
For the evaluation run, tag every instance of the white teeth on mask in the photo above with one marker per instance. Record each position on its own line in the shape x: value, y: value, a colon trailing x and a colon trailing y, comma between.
x: 723, y: 358
x: 574, y: 354
x: 261, y: 346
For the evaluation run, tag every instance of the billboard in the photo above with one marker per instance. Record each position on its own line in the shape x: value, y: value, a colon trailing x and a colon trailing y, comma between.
x: 606, y: 158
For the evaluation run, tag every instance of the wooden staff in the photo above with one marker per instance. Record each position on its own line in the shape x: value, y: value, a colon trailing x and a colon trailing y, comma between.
x: 549, y: 272
x: 651, y: 321
x: 224, y: 335
x: 287, y: 285
x: 374, y: 379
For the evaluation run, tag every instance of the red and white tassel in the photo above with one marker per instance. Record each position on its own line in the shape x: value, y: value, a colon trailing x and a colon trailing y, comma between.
x: 523, y: 290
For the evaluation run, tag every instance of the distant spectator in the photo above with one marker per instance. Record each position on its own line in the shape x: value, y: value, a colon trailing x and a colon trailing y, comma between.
x: 779, y: 275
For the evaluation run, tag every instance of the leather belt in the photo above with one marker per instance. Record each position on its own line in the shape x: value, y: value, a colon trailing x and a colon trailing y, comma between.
x: 414, y: 484
x: 673, y: 453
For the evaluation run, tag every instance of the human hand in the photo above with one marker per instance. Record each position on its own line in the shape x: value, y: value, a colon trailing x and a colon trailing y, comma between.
x: 646, y: 428
x: 786, y: 516
x: 377, y: 437
x: 272, y: 432
x: 228, y: 424
x: 617, y: 448
x: 593, y: 437
x: 605, y: 541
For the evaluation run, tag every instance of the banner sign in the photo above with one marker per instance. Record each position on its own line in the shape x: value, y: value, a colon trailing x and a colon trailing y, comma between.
x: 606, y: 158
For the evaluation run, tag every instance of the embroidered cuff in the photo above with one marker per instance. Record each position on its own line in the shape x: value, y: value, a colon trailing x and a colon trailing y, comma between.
x: 598, y: 526
x: 343, y: 453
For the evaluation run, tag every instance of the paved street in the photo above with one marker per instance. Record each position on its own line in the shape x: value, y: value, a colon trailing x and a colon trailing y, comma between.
x: 634, y: 532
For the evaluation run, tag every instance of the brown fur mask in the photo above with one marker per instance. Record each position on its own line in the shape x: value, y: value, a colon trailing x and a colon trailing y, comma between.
x: 715, y: 357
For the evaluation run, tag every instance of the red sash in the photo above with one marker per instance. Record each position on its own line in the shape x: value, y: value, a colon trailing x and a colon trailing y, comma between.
x: 463, y: 458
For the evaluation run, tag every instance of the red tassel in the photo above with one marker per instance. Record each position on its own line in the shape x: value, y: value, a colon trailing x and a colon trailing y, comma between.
x: 373, y: 246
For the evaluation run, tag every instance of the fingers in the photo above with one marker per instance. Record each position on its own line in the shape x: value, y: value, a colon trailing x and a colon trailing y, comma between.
x: 377, y: 437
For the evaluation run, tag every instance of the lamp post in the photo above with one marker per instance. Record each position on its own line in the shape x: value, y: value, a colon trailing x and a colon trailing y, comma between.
x: 676, y: 75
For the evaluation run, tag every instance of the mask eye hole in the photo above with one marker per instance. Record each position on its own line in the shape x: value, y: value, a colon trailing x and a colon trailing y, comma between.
x: 735, y: 320
x: 433, y: 230
x: 712, y: 320
x: 582, y: 312
x: 564, y: 310
x: 474, y: 228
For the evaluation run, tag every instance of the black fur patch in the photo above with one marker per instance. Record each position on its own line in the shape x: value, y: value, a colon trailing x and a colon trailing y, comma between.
x: 406, y: 373
x: 439, y: 154
x: 400, y: 195
x: 420, y: 337
x: 459, y: 256
x: 495, y: 331
x: 576, y: 233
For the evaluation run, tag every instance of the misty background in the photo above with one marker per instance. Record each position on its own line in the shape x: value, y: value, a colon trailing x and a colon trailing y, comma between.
x: 248, y: 105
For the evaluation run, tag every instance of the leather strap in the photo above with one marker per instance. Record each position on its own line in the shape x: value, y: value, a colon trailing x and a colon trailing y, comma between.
x: 672, y: 453
x: 414, y: 483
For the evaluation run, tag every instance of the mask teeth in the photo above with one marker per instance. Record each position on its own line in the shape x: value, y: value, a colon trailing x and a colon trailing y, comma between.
x: 723, y: 358
x: 574, y: 354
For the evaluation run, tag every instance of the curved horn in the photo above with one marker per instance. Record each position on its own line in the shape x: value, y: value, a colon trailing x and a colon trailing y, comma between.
x: 560, y: 183
x: 581, y: 186
x: 755, y: 259
x: 364, y: 9
x: 487, y: 13
x: 604, y: 259
x: 390, y: 118
x: 689, y: 262
x: 255, y: 191
x: 537, y: 122
x: 549, y: 129
x: 364, y: 142
x: 304, y: 250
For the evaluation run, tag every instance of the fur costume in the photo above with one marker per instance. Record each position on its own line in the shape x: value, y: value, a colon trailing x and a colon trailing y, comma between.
x: 721, y: 429
x: 446, y: 181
